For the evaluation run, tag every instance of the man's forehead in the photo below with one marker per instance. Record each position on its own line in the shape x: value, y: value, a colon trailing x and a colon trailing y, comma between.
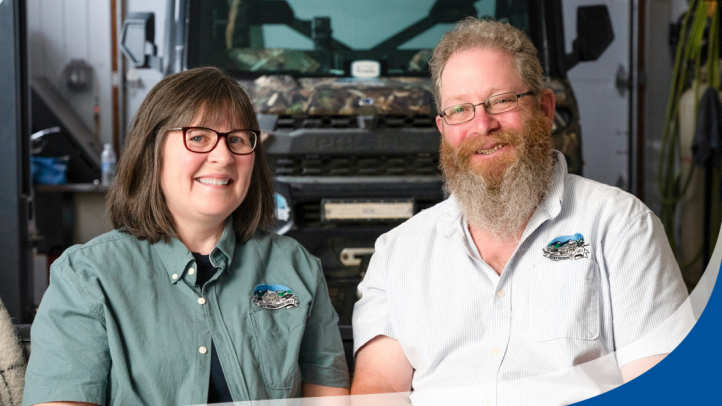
x: 461, y: 97
x: 479, y: 73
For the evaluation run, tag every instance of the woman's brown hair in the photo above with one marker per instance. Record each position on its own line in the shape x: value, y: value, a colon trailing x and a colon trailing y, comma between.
x: 136, y: 202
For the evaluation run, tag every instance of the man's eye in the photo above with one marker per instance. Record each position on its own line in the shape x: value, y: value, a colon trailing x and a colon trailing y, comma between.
x: 457, y: 110
x: 502, y: 101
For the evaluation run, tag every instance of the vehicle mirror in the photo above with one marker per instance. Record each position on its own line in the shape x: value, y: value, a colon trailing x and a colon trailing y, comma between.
x: 594, y: 34
x: 137, y: 40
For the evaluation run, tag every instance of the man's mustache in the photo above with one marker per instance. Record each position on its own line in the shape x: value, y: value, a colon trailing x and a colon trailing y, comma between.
x: 470, y: 145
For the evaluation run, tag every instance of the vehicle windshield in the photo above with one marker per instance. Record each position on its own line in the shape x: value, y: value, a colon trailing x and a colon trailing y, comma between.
x: 322, y: 38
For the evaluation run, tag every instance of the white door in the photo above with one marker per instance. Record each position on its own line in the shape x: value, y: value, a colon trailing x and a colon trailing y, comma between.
x: 603, y: 108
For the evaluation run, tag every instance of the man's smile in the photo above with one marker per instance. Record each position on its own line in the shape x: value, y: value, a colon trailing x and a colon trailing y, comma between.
x: 491, y: 150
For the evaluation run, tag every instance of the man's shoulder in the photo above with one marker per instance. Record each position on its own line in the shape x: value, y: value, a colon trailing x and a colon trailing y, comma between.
x: 424, y: 224
x: 590, y: 196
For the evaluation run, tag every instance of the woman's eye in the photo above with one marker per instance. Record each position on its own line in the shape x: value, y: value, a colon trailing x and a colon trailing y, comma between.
x: 197, y: 138
x: 236, y: 140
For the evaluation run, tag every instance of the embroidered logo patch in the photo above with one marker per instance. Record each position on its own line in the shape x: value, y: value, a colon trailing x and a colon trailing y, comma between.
x: 274, y: 297
x: 567, y: 247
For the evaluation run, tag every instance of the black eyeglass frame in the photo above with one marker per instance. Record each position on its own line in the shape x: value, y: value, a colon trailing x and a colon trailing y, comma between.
x: 486, y: 108
x: 257, y: 133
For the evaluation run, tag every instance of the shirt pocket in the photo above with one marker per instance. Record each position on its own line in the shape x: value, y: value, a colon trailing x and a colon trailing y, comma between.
x: 278, y: 335
x: 564, y: 300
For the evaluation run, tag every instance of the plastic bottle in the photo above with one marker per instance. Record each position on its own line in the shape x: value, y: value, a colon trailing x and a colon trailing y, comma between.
x: 107, y: 164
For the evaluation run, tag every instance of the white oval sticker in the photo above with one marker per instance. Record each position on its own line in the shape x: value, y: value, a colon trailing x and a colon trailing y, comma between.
x: 365, y: 69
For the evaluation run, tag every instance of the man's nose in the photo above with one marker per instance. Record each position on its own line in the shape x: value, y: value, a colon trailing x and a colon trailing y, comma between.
x: 483, y: 122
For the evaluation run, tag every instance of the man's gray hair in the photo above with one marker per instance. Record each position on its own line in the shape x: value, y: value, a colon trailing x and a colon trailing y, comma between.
x: 472, y: 33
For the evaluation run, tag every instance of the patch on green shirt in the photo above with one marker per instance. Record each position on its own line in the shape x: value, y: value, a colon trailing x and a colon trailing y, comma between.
x: 274, y: 297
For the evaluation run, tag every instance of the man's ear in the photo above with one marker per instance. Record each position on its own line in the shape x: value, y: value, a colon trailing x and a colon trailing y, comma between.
x: 440, y: 123
x: 547, y: 105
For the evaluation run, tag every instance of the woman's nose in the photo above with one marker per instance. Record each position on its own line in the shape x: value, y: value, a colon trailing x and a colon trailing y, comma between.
x: 221, y: 153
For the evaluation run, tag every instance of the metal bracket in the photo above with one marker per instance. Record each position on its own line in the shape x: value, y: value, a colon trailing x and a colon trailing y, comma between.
x: 352, y: 256
x: 622, y: 80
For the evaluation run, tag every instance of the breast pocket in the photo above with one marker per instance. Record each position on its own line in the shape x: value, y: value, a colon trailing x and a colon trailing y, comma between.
x: 564, y: 300
x: 278, y: 335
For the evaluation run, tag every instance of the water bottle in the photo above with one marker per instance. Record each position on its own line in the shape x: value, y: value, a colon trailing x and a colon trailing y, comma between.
x: 107, y: 164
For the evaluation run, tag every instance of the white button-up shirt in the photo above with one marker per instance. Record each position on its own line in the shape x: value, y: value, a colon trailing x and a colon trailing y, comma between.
x: 459, y: 323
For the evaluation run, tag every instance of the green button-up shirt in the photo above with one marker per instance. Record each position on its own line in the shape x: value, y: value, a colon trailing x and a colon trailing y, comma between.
x: 123, y: 322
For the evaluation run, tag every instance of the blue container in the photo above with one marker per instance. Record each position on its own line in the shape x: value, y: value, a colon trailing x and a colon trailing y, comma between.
x: 49, y: 170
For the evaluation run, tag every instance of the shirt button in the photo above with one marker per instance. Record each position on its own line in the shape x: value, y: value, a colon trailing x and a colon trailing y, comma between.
x: 496, y: 351
x: 175, y: 276
x: 201, y: 301
x: 202, y: 350
x: 191, y: 271
x: 501, y: 293
x: 485, y: 403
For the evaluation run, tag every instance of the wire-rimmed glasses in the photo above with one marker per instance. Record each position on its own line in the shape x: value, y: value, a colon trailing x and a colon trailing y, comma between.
x: 201, y: 139
x: 496, y: 104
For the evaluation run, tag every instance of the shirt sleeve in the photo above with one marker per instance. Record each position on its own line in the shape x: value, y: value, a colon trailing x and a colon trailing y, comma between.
x: 371, y: 313
x: 69, y: 360
x: 321, y: 359
x: 647, y: 292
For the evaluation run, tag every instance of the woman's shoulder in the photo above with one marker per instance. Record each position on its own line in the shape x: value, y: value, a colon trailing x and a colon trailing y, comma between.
x: 281, y: 248
x: 276, y: 241
x: 102, y: 251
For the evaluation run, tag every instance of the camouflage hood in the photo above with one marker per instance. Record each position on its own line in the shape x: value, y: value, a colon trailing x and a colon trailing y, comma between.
x: 341, y: 96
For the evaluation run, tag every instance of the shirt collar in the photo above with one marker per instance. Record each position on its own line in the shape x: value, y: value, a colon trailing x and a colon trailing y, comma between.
x: 222, y: 253
x: 551, y: 204
x: 177, y: 258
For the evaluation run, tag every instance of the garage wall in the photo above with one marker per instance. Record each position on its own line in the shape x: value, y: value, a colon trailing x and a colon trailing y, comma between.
x: 603, y: 107
x: 62, y: 30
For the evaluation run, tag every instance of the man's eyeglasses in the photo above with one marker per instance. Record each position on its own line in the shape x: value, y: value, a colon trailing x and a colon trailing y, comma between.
x: 498, y: 103
x: 200, y: 139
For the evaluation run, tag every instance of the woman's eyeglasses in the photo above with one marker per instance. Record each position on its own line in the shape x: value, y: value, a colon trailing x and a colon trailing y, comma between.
x: 201, y: 139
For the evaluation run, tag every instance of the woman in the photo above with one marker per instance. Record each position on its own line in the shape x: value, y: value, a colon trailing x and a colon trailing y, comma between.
x: 188, y: 301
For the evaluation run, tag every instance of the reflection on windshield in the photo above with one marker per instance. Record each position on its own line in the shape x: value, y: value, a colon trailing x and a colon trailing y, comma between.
x: 273, y: 59
x: 322, y: 38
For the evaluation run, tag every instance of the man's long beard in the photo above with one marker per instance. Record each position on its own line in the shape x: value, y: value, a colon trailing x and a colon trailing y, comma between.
x: 501, y: 197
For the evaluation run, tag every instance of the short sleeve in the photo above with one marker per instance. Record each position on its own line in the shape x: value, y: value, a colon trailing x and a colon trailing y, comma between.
x: 646, y: 289
x: 69, y: 360
x: 321, y: 358
x: 371, y: 312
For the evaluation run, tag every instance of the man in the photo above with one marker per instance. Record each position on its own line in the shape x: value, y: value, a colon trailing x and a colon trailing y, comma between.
x: 525, y: 270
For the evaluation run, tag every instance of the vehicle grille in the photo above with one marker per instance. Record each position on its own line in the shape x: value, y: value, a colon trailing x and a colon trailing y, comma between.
x: 308, y: 214
x: 355, y: 165
x: 290, y: 122
x: 399, y: 121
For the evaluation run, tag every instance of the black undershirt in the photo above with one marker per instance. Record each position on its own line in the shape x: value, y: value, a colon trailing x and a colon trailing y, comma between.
x: 217, y: 386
